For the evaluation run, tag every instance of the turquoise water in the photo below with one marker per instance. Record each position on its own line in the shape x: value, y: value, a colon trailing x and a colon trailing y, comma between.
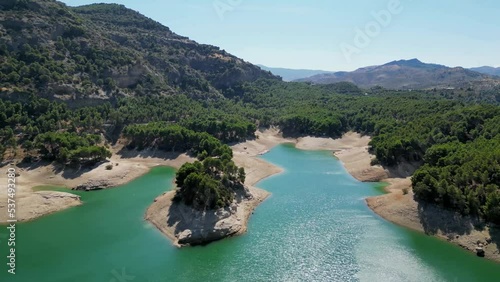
x: 314, y: 227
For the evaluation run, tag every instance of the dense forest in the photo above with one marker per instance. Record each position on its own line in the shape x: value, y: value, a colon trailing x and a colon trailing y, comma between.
x: 51, y: 131
x: 462, y: 176
x: 196, y: 98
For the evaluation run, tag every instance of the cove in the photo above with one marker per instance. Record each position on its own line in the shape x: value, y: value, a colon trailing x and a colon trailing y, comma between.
x: 314, y: 227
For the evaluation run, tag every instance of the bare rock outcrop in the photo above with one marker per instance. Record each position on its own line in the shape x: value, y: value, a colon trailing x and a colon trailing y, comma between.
x: 186, y: 226
x: 204, y: 227
x: 94, y: 184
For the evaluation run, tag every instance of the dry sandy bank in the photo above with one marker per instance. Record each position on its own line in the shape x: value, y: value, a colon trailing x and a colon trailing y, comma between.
x: 400, y: 207
x: 33, y: 204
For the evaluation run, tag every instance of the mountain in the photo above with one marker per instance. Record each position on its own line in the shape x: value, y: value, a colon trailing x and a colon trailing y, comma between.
x: 408, y: 74
x: 293, y: 74
x: 487, y: 70
x: 106, y: 50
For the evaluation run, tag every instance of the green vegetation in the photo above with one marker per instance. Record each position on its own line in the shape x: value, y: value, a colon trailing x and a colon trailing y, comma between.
x: 52, y: 131
x: 409, y: 127
x: 462, y: 176
x: 65, y: 147
x: 109, y: 51
x: 176, y: 138
x: 210, y: 184
x: 407, y: 137
x: 123, y: 75
x: 200, y: 116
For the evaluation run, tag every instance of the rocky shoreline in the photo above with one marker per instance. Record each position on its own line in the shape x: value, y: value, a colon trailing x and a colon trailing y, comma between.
x: 188, y: 227
x: 93, y: 185
x: 399, y: 206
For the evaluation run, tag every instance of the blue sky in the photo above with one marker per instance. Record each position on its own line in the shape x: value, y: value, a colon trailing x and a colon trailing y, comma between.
x: 335, y: 34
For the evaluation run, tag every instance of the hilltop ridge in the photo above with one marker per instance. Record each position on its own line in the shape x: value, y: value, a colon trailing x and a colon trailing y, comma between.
x: 107, y: 50
x: 410, y: 74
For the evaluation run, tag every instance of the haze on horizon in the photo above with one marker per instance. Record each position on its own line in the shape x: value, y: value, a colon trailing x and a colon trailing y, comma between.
x: 326, y: 34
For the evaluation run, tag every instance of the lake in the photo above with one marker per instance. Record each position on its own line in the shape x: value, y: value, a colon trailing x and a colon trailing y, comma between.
x: 314, y: 227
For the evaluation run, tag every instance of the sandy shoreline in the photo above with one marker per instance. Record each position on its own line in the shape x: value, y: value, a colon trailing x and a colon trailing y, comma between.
x: 398, y: 205
x: 401, y: 209
x: 352, y: 150
x: 129, y: 165
x: 34, y: 204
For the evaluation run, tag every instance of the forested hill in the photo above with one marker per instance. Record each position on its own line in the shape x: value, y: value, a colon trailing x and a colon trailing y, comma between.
x: 106, y: 50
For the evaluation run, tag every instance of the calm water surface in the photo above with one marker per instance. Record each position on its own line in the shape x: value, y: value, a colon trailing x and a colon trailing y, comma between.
x: 314, y: 227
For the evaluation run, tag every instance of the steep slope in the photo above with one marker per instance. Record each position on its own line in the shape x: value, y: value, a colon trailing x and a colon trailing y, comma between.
x: 293, y: 74
x: 409, y: 74
x: 106, y: 50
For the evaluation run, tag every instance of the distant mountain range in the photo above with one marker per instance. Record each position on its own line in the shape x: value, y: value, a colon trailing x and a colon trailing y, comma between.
x: 293, y: 74
x: 487, y: 70
x: 410, y: 74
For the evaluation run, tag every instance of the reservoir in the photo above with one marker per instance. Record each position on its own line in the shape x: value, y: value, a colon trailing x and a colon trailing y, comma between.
x: 314, y: 227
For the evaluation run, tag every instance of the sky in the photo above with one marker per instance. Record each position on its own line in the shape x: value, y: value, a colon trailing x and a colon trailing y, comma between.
x: 335, y: 35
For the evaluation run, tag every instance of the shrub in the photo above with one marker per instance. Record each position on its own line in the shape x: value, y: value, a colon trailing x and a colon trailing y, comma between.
x: 375, y: 161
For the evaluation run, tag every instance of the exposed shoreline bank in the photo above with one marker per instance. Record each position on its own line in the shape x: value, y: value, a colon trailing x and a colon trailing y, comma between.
x: 127, y: 166
x: 396, y: 206
x: 399, y: 206
x: 171, y: 218
x: 181, y: 225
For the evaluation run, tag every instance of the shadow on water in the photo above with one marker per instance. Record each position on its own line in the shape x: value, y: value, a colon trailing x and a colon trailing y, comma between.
x: 435, y: 219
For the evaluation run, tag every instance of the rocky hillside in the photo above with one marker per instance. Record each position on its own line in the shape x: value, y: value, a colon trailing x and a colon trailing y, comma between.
x: 106, y: 50
x: 409, y: 74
